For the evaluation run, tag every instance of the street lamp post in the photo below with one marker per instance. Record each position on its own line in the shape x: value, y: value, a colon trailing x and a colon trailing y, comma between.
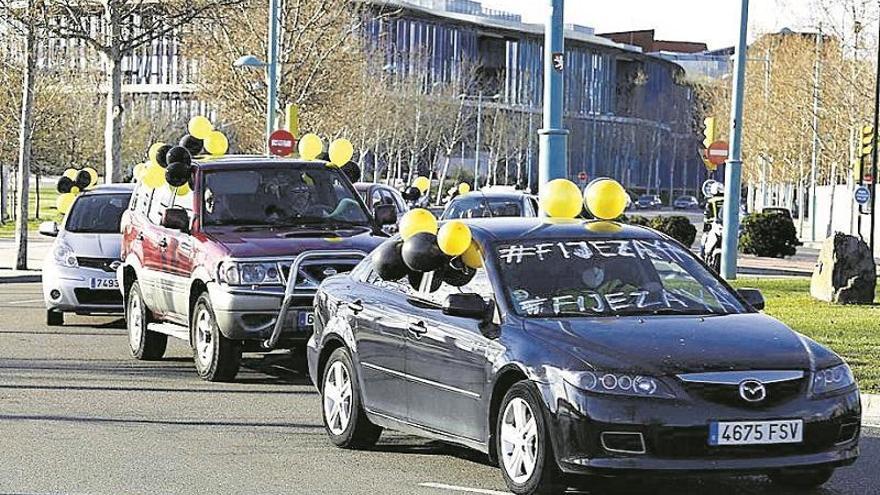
x: 553, y: 162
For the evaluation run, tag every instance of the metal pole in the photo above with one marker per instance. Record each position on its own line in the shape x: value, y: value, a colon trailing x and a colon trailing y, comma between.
x: 874, y: 151
x: 479, y: 141
x: 531, y: 148
x: 272, y: 70
x: 814, y: 162
x: 553, y: 138
x: 733, y: 171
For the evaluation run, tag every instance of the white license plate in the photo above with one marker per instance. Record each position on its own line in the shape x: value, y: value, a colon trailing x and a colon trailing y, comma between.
x: 104, y: 283
x: 306, y: 319
x: 756, y: 432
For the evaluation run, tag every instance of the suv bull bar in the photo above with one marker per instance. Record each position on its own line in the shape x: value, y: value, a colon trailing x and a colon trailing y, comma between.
x: 291, y: 291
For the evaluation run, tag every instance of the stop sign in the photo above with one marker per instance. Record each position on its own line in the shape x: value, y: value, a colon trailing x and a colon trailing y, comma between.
x: 281, y: 143
x: 717, y: 152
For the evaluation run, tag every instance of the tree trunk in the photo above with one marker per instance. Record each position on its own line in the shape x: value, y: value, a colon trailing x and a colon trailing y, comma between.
x: 24, y: 144
x: 3, y: 195
x: 37, y: 197
x: 442, y: 178
x: 114, y: 110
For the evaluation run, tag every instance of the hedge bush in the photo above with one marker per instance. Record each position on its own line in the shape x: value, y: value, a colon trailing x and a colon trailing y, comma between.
x: 676, y: 226
x: 769, y: 235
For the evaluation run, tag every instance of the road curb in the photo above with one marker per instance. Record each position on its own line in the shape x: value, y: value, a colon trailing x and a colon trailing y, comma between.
x: 17, y: 277
x: 871, y: 409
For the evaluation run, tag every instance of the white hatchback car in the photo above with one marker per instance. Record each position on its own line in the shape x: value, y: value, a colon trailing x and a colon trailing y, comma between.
x: 79, y: 272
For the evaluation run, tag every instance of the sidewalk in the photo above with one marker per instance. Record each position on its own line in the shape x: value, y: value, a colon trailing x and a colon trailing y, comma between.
x: 38, y: 247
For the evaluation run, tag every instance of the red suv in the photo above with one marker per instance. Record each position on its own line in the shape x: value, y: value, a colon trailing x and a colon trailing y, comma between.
x: 213, y: 267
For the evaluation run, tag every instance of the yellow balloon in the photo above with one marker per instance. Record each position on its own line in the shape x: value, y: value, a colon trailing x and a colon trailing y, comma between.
x: 64, y: 201
x: 216, y: 143
x: 154, y: 151
x: 416, y: 221
x: 464, y: 188
x: 74, y: 190
x: 200, y: 127
x: 472, y: 256
x: 310, y: 146
x: 422, y: 184
x: 454, y: 238
x: 154, y: 176
x: 561, y: 198
x: 138, y: 172
x: 341, y: 152
x: 93, y: 174
x: 605, y: 198
x: 71, y: 174
x: 182, y: 190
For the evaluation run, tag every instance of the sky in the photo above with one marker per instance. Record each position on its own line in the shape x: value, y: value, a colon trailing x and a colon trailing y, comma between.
x: 715, y: 22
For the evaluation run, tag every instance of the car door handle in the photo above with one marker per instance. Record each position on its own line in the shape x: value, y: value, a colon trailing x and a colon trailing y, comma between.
x: 418, y: 329
x: 163, y: 243
x: 356, y: 306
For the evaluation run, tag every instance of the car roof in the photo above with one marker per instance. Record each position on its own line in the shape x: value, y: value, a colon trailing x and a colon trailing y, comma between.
x: 238, y: 161
x: 365, y: 186
x: 117, y: 188
x: 494, y: 195
x: 518, y: 228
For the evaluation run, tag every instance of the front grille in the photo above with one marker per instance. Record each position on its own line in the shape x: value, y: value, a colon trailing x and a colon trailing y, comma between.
x: 98, y: 296
x: 777, y: 393
x: 98, y: 263
x: 313, y: 272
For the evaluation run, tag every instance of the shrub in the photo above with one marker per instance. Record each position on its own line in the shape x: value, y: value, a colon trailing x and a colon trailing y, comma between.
x: 676, y: 226
x: 768, y: 234
x: 639, y: 220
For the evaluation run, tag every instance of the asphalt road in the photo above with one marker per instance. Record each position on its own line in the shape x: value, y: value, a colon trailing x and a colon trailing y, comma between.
x: 77, y: 415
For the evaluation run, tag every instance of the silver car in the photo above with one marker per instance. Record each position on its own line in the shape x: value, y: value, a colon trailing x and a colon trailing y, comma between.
x: 79, y: 272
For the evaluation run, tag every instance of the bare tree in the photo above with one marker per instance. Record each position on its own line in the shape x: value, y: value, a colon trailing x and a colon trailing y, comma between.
x: 25, y: 132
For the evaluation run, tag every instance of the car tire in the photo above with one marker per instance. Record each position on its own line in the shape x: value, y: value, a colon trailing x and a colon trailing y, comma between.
x: 802, y: 478
x: 142, y: 343
x: 54, y: 318
x: 217, y: 358
x: 525, y: 453
x: 349, y: 427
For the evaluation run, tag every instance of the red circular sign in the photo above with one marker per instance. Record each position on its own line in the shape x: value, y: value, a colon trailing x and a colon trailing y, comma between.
x: 281, y: 143
x: 582, y: 176
x: 717, y: 152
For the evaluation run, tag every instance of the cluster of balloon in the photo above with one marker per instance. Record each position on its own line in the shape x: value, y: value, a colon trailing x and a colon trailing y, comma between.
x: 338, y: 154
x: 605, y: 198
x: 172, y: 165
x: 72, y: 183
x: 426, y: 247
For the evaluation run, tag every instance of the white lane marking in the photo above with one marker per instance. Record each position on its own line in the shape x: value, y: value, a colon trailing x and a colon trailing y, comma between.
x: 25, y: 302
x: 442, y: 486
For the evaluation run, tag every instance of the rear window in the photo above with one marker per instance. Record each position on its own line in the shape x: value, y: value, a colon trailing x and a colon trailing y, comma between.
x: 97, y: 213
x: 478, y: 207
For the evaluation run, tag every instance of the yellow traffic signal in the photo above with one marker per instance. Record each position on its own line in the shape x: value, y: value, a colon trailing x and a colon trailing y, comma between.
x: 867, y: 140
x: 708, y: 131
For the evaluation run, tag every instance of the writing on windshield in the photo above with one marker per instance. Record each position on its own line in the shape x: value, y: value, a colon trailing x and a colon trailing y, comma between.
x: 609, y: 277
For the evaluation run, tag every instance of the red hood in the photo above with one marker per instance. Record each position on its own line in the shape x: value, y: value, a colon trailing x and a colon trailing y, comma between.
x: 266, y: 243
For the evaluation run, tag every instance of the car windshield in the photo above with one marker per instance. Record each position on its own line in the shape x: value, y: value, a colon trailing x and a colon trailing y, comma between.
x: 646, y: 198
x: 480, y: 207
x: 281, y: 196
x: 608, y: 277
x: 97, y: 213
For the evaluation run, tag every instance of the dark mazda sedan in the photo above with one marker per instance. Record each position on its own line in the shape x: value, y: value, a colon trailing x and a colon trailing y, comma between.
x: 582, y: 348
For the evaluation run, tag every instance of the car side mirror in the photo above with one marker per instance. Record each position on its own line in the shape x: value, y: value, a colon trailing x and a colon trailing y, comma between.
x: 176, y: 219
x: 385, y: 214
x: 753, y: 297
x: 466, y: 306
x: 49, y: 229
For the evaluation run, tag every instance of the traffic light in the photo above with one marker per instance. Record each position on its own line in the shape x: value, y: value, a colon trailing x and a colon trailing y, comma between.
x: 708, y: 131
x: 867, y: 140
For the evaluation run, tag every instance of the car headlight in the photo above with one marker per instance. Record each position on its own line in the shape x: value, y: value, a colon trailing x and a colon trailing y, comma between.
x: 64, y: 255
x: 620, y: 384
x: 236, y: 273
x: 832, y: 379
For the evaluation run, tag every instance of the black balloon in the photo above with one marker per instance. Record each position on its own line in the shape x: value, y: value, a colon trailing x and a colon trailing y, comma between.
x: 178, y: 154
x: 352, y: 170
x: 388, y: 261
x: 83, y: 180
x: 162, y: 155
x: 193, y: 144
x: 457, y: 274
x: 64, y: 184
x: 177, y: 174
x: 323, y: 156
x: 412, y: 193
x: 422, y: 254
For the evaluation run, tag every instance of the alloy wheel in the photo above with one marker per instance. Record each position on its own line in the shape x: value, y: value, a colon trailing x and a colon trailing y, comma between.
x: 337, y: 398
x: 519, y: 440
x: 204, y: 338
x: 135, y: 323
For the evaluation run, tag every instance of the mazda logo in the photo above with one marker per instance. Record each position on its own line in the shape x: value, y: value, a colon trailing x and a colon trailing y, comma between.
x: 752, y: 391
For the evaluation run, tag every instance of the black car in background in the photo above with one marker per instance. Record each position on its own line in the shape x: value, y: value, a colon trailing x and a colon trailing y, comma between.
x: 648, y: 201
x: 582, y: 348
x: 488, y: 204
